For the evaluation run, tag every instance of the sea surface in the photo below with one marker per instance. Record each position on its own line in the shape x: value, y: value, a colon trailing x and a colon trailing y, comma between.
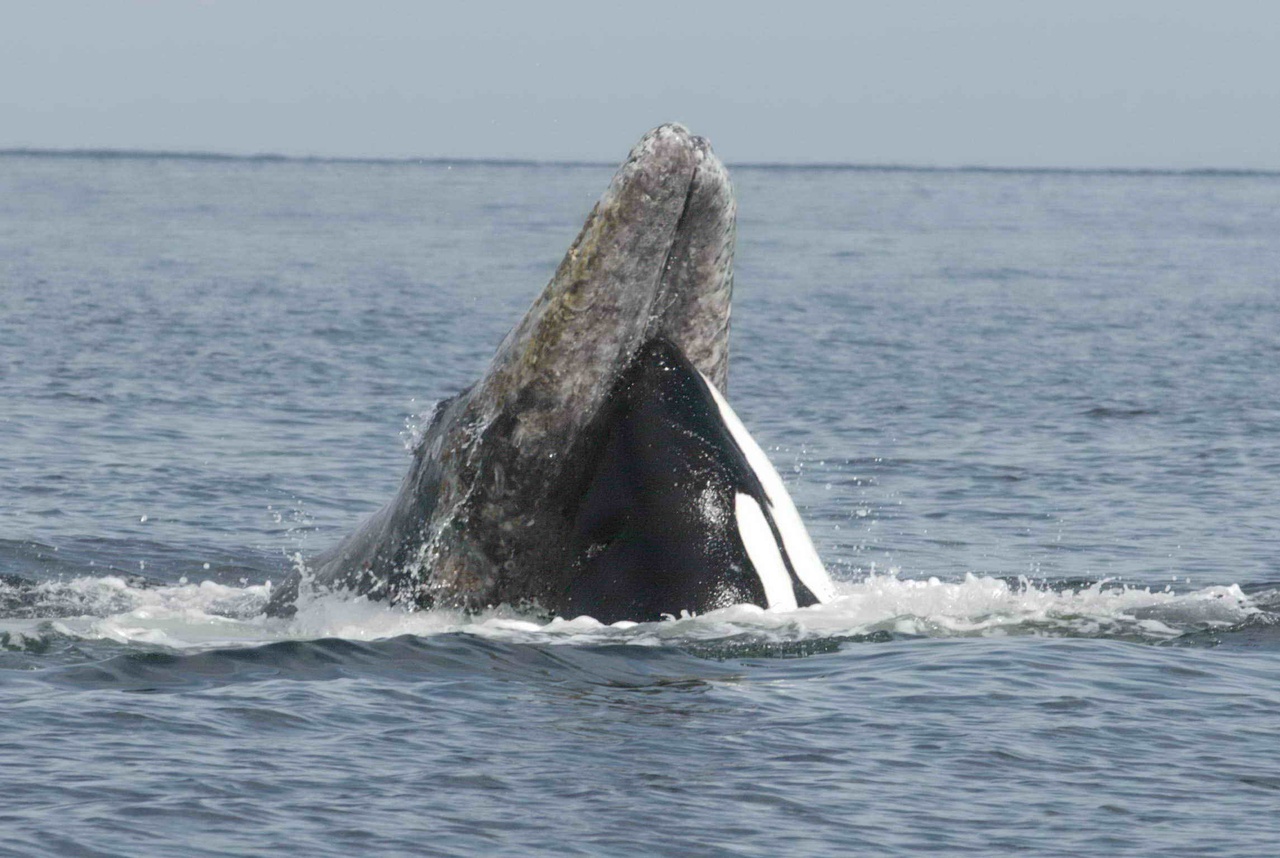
x: 1031, y: 418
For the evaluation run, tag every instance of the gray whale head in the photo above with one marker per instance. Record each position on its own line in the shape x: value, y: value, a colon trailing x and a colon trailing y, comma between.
x: 590, y: 469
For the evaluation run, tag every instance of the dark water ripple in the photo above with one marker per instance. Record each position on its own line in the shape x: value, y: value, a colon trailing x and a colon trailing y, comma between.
x: 452, y: 745
x: 1054, y: 394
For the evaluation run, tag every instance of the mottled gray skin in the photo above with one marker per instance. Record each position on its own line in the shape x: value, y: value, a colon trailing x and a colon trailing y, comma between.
x: 483, y: 515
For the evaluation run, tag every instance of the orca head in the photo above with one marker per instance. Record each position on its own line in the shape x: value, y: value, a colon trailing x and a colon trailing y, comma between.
x: 680, y: 509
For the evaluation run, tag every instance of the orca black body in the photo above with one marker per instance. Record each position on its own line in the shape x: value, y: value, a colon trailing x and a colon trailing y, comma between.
x: 657, y: 529
x: 596, y: 468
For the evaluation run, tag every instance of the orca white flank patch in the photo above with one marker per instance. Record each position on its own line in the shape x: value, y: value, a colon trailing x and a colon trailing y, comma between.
x: 757, y: 538
x: 795, y: 538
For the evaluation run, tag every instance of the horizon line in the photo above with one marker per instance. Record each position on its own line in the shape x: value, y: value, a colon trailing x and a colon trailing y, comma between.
x: 89, y: 153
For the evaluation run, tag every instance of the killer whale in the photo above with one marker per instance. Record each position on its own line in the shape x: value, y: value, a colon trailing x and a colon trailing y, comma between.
x: 596, y: 467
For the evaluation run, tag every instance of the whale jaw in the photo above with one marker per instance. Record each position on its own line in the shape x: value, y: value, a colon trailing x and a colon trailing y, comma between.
x: 515, y: 494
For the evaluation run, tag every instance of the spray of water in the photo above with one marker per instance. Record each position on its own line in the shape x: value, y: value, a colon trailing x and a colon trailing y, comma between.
x: 207, y: 614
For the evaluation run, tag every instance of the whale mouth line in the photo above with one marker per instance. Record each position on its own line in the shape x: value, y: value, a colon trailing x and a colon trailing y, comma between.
x: 488, y: 513
x: 661, y: 291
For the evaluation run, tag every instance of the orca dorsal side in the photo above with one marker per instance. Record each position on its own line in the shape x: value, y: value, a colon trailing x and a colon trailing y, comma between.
x: 680, y: 511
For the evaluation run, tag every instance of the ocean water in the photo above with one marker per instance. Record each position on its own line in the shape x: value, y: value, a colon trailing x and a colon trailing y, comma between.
x: 1032, y: 420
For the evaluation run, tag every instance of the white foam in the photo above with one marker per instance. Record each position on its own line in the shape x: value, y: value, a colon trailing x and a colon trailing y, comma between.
x: 209, y: 615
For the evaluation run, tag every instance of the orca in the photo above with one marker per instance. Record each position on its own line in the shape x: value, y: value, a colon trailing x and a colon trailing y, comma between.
x: 596, y: 468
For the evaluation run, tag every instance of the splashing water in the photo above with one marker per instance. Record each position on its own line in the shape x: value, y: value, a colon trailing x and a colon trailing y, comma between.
x: 210, y: 615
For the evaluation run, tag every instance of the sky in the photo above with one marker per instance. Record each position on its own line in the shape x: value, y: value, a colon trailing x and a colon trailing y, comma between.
x: 1123, y: 83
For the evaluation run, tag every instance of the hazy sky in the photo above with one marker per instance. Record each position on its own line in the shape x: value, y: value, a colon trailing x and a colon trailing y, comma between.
x: 994, y: 82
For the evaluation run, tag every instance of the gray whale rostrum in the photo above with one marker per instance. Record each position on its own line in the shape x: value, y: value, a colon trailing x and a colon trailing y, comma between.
x: 596, y: 467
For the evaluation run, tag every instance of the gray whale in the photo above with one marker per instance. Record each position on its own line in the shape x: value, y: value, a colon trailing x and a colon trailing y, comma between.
x: 596, y: 467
